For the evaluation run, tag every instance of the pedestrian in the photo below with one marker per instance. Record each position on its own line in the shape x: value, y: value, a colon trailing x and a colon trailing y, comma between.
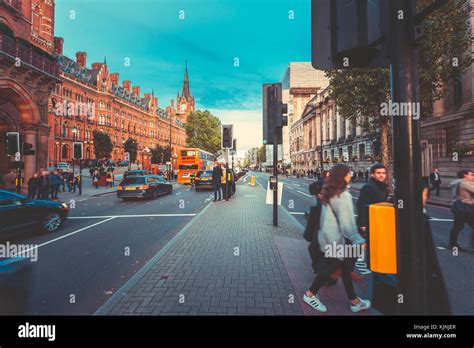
x: 95, y: 178
x: 216, y: 180
x: 109, y: 179
x: 337, y: 229
x: 225, y: 193
x: 33, y: 186
x: 62, y: 177
x: 9, y: 180
x: 75, y: 181
x: 375, y: 191
x: 91, y: 171
x: 435, y: 180
x: 44, y: 185
x: 463, y: 206
x: 366, y: 175
x: 55, y: 182
x: 360, y: 176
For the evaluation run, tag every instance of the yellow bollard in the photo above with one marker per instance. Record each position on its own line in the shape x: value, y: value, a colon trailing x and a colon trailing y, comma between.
x: 252, y: 181
x: 383, y: 238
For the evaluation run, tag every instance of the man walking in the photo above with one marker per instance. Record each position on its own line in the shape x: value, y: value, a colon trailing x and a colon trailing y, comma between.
x: 44, y: 185
x: 375, y: 191
x: 55, y: 184
x: 463, y: 206
x: 435, y: 180
x: 216, y: 180
x: 224, y: 185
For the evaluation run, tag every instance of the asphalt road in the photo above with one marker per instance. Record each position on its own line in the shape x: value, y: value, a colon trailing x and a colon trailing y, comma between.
x: 103, y: 243
x: 458, y: 270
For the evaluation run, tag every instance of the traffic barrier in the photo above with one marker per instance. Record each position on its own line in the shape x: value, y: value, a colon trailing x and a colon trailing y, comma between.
x: 252, y: 180
x: 383, y: 239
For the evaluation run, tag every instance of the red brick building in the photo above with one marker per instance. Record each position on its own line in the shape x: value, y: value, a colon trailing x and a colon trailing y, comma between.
x: 93, y: 98
x: 28, y: 73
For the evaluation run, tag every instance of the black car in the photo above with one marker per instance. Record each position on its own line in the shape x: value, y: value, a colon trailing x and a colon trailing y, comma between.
x: 203, y: 180
x: 134, y: 173
x: 143, y: 186
x: 18, y: 212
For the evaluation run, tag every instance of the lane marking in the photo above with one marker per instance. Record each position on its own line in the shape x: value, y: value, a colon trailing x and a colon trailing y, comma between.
x: 444, y: 220
x: 178, y: 193
x: 295, y: 213
x: 70, y: 234
x: 128, y: 216
x: 250, y: 196
x: 304, y: 194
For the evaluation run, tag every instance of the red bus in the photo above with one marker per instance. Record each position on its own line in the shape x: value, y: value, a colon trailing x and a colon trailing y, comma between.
x: 191, y: 161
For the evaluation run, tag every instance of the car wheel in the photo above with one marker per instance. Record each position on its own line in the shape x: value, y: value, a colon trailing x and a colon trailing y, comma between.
x: 51, y: 222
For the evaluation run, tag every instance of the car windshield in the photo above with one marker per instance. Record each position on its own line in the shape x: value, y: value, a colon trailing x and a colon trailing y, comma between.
x: 204, y: 174
x: 133, y: 181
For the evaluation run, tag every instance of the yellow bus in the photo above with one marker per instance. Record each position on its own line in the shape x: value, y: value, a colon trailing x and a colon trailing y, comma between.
x: 192, y: 160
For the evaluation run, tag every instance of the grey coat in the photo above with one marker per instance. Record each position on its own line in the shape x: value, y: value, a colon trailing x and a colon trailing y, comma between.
x: 330, y: 231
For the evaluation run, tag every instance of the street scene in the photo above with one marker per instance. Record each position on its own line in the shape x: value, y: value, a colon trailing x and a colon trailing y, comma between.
x: 310, y: 158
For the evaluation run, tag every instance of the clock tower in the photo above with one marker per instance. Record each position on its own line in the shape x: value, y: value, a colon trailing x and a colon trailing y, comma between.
x: 185, y: 101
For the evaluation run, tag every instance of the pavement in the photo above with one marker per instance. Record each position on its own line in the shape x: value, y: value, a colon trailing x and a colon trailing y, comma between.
x: 231, y: 260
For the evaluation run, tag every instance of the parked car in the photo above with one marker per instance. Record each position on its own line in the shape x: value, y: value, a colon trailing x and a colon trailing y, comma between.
x: 134, y: 173
x: 122, y: 164
x: 63, y: 167
x: 18, y: 212
x: 143, y: 186
x: 203, y: 180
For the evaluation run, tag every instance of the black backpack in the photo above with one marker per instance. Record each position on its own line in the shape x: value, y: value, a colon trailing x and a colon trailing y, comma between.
x: 312, y: 223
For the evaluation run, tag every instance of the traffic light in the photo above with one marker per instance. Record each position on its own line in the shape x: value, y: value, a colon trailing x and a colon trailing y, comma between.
x: 273, y: 112
x: 227, y: 136
x: 28, y: 149
x: 13, y: 143
x: 77, y: 150
x: 350, y: 34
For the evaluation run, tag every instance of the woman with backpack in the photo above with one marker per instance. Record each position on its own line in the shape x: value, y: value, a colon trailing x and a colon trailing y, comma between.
x: 337, y: 228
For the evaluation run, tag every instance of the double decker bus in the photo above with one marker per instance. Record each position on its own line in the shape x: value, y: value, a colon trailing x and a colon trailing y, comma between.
x: 191, y: 161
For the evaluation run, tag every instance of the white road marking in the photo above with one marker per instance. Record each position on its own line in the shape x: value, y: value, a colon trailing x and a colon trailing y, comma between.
x: 437, y: 219
x: 250, y: 196
x: 179, y: 193
x: 70, y: 234
x: 304, y: 194
x: 295, y: 213
x: 128, y: 216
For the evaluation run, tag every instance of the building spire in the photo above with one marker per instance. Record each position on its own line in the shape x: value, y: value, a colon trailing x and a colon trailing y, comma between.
x: 186, y: 94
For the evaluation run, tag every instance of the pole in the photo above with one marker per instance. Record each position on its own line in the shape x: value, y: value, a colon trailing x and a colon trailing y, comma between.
x: 171, y: 162
x: 80, y: 177
x: 275, y: 175
x: 227, y: 174
x: 407, y: 160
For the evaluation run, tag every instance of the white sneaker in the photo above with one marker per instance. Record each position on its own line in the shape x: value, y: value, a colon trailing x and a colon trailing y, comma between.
x: 361, y: 306
x: 314, y: 302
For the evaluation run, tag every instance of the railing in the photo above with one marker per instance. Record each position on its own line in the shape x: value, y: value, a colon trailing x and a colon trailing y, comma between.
x: 27, y: 55
x: 16, y: 4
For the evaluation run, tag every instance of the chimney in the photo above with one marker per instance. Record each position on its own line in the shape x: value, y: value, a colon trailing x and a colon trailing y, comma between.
x: 81, y: 58
x: 136, y: 90
x: 126, y: 85
x: 114, y: 77
x: 58, y: 45
x: 97, y: 66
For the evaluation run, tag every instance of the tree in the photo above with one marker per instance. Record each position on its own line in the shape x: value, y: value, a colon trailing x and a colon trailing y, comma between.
x: 444, y: 56
x: 102, y: 145
x: 203, y: 130
x: 160, y: 154
x: 261, y: 154
x: 131, y: 146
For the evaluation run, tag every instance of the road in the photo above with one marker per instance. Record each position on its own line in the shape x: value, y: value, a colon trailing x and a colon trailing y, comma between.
x: 87, y: 259
x: 458, y: 270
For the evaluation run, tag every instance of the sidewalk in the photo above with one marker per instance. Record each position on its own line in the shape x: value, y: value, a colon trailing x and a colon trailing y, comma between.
x: 230, y: 260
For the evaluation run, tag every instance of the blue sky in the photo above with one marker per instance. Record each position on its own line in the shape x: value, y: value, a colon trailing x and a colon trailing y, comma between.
x: 212, y: 34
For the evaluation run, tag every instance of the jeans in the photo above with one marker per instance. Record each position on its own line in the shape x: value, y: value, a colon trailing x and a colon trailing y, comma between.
x: 329, y: 266
x: 436, y: 186
x: 459, y: 221
x: 54, y: 191
x: 217, y: 188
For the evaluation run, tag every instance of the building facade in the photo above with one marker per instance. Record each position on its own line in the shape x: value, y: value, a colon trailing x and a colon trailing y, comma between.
x: 449, y: 130
x: 28, y: 73
x: 91, y: 99
x: 301, y: 82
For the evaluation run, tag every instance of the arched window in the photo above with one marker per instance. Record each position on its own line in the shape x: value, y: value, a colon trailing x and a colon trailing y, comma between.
x: 65, y: 153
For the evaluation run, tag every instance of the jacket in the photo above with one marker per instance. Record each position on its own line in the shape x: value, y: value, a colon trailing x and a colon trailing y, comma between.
x: 330, y: 231
x: 224, y: 173
x: 55, y: 180
x: 373, y: 192
x: 432, y: 177
x: 216, y: 175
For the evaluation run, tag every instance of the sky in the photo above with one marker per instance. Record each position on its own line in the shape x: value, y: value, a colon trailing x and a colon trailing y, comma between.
x: 157, y: 37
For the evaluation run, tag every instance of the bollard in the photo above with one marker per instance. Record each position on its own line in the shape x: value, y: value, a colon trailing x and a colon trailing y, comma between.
x: 383, y: 239
x: 252, y: 180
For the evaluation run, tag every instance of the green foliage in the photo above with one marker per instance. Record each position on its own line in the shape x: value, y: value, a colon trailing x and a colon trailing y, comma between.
x: 131, y: 146
x: 160, y: 154
x: 203, y: 130
x: 102, y: 145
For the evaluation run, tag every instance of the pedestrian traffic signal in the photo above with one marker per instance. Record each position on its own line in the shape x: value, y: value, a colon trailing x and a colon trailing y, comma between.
x: 227, y: 136
x: 13, y: 143
x: 77, y: 150
x: 28, y: 149
x: 127, y: 156
x: 273, y: 112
